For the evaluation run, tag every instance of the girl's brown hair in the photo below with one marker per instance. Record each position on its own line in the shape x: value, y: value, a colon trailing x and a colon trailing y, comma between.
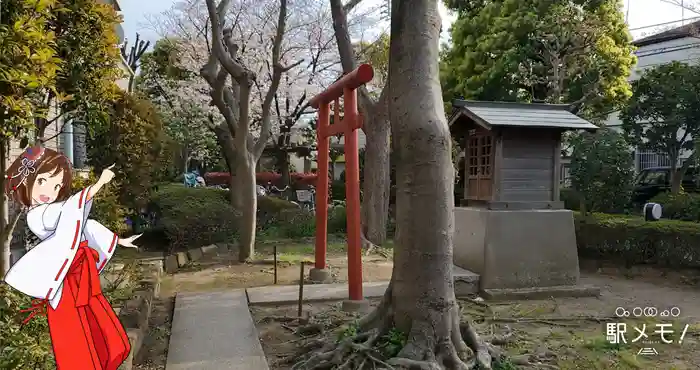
x: 45, y: 161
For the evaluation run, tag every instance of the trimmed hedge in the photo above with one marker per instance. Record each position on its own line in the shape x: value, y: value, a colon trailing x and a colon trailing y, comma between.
x: 193, y: 217
x: 631, y: 240
x: 684, y: 206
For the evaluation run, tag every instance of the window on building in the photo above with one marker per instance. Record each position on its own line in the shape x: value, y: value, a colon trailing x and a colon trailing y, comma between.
x: 479, y: 165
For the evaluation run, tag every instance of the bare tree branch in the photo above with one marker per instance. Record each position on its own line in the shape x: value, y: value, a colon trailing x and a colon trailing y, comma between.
x: 351, y: 5
x: 277, y: 70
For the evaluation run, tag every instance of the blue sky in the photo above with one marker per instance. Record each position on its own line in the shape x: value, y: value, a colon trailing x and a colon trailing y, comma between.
x: 642, y: 13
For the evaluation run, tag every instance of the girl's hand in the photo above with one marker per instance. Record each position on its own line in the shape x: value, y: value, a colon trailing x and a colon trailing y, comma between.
x: 128, y: 241
x: 107, y: 175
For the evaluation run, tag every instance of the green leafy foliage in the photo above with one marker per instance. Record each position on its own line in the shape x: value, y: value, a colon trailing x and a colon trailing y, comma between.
x: 682, y: 206
x: 89, y: 60
x: 570, y: 198
x: 106, y: 208
x: 632, y: 241
x: 601, y: 171
x: 28, y: 64
x: 667, y: 99
x: 392, y: 342
x: 22, y: 347
x: 559, y: 51
x: 193, y: 217
x: 131, y: 140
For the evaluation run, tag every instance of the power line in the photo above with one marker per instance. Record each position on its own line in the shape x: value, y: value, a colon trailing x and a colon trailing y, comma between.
x: 663, y: 24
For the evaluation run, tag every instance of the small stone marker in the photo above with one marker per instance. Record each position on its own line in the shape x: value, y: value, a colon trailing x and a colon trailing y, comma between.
x: 195, y: 254
x: 171, y: 264
x: 209, y: 249
x: 181, y: 259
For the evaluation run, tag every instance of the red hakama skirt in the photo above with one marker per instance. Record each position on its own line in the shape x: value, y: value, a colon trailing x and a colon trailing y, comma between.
x: 85, y: 331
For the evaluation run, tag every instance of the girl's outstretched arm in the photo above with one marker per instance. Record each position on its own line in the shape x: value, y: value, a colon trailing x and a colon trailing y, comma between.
x: 106, y: 176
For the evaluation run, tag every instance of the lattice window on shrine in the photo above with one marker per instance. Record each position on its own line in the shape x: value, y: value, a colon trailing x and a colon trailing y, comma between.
x: 480, y: 160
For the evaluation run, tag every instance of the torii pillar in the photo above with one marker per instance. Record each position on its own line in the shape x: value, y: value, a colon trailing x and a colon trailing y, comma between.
x: 351, y: 122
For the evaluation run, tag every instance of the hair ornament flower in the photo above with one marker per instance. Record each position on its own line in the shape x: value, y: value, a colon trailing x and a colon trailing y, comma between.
x: 27, y: 166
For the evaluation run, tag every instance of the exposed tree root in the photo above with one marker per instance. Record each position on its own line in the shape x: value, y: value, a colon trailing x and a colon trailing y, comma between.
x: 425, y: 348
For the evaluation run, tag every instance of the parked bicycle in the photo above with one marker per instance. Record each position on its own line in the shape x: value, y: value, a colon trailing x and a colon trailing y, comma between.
x: 307, y: 199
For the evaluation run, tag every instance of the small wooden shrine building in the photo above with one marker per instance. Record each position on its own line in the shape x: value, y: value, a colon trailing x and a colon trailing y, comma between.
x: 511, y: 229
x: 512, y: 152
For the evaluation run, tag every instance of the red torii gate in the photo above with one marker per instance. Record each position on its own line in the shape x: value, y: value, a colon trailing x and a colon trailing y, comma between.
x: 351, y: 122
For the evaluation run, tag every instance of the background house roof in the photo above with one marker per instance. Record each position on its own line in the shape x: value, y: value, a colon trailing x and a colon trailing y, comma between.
x: 507, y: 114
x: 688, y: 30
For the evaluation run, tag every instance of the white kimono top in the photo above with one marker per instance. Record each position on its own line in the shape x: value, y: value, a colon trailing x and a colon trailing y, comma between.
x: 61, y: 226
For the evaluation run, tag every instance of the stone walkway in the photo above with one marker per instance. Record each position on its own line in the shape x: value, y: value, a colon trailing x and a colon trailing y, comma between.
x: 214, y: 331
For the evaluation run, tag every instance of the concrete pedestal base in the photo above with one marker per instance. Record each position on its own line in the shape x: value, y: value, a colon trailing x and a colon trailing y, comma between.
x: 517, y: 249
x: 355, y: 306
x: 320, y: 276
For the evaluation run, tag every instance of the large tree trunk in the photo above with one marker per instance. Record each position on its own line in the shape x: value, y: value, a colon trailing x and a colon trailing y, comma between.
x: 422, y: 298
x: 225, y: 141
x: 420, y: 301
x: 283, y: 164
x: 375, y: 203
x: 245, y: 176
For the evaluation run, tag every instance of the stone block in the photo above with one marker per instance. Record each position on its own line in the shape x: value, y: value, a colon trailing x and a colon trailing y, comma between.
x: 194, y: 254
x: 517, y: 249
x: 209, y: 249
x: 135, y: 340
x: 567, y: 291
x: 465, y: 282
x: 223, y: 248
x: 182, y: 259
x: 171, y: 264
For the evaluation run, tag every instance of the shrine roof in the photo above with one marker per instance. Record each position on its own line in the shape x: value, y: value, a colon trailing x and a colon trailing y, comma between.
x: 508, y: 114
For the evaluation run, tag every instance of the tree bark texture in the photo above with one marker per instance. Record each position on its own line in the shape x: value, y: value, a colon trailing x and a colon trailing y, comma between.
x: 376, y: 184
x: 225, y: 141
x: 248, y: 205
x: 376, y: 128
x: 420, y: 301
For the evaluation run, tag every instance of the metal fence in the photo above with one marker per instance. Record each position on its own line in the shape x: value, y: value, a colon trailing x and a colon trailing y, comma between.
x: 647, y: 159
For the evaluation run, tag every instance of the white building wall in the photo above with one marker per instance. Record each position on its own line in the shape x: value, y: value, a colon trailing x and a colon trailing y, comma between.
x: 685, y: 50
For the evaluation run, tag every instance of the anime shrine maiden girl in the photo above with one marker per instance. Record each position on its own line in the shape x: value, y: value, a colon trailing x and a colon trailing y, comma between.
x: 62, y: 270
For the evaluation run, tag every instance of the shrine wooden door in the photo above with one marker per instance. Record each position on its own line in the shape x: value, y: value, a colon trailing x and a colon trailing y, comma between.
x: 479, y: 162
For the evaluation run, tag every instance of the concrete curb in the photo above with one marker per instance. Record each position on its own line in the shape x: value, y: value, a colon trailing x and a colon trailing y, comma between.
x: 136, y: 312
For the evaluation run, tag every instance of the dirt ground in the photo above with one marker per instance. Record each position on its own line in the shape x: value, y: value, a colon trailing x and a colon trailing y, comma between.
x: 556, y: 334
x: 566, y: 334
x: 223, y: 271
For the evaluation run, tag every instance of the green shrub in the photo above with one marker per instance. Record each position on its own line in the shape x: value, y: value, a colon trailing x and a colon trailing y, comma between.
x: 132, y: 141
x: 22, y: 347
x: 337, y: 220
x: 338, y: 189
x: 683, y: 206
x: 601, y: 170
x: 295, y: 224
x: 632, y: 240
x: 193, y: 217
x: 106, y: 208
x: 570, y: 198
x: 269, y: 209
